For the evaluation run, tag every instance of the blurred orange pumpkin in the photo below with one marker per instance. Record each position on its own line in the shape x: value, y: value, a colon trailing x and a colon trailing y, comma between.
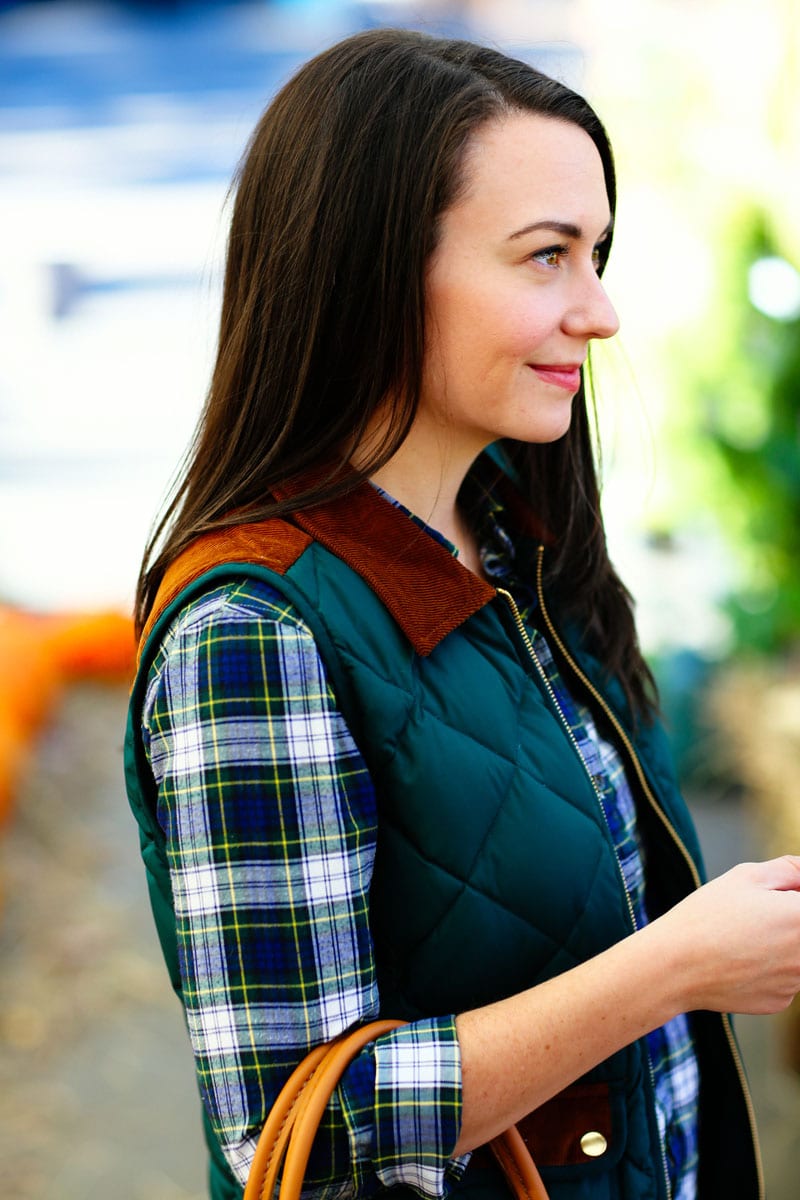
x: 30, y: 683
x: 92, y: 645
x: 30, y: 679
x: 38, y: 655
x: 13, y: 756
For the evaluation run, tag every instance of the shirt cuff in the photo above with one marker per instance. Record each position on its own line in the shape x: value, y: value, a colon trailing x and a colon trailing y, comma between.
x: 409, y: 1135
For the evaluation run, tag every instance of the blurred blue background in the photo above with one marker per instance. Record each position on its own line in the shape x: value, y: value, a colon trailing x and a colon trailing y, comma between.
x: 120, y: 127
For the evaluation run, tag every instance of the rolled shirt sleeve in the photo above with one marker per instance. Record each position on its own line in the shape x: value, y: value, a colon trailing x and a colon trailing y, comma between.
x: 270, y: 821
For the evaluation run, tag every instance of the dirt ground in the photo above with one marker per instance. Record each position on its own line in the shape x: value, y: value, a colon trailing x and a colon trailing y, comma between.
x: 97, y: 1095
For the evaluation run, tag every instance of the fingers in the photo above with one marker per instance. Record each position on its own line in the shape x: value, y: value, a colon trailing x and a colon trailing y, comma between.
x: 788, y: 870
x: 779, y: 874
x: 741, y: 937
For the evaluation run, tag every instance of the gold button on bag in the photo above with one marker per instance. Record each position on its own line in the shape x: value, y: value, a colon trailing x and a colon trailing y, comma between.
x: 593, y: 1144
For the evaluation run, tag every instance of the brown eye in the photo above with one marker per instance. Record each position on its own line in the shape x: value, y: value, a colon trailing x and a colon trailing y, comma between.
x: 551, y: 256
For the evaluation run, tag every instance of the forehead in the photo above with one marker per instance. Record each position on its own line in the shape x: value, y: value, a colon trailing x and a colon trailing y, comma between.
x: 525, y: 167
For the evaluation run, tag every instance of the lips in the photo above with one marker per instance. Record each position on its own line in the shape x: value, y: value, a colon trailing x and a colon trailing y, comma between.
x: 563, y: 375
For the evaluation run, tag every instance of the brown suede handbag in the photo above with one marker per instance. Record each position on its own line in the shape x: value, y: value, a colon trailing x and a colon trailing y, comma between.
x: 289, y: 1131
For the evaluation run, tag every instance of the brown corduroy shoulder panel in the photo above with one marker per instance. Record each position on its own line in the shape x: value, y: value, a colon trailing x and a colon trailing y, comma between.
x: 427, y: 591
x: 275, y: 544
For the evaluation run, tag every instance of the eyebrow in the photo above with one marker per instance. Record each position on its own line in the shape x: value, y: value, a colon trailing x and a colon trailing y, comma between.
x: 565, y: 228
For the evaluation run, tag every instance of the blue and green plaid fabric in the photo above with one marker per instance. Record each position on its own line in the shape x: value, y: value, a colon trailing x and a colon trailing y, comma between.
x: 270, y: 823
x: 270, y: 820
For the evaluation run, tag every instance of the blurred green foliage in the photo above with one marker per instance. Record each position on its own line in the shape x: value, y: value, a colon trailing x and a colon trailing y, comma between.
x: 745, y: 384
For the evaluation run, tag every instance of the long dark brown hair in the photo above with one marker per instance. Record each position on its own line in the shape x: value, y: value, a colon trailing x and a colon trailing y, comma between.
x: 337, y: 209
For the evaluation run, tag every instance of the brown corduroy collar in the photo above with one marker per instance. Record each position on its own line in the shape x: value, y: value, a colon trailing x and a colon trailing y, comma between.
x: 428, y: 591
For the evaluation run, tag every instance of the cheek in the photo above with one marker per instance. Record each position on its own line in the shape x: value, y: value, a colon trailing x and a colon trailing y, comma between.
x: 453, y: 340
x: 479, y: 325
x: 529, y: 324
x: 509, y: 321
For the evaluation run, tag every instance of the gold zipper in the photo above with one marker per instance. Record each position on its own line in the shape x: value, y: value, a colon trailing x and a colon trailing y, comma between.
x: 565, y: 723
x: 658, y: 810
x: 568, y: 729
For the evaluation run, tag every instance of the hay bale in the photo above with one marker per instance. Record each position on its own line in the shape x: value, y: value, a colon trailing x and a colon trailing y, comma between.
x: 756, y: 711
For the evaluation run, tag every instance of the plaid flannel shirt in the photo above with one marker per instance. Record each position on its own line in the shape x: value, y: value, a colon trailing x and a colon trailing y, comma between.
x: 270, y: 821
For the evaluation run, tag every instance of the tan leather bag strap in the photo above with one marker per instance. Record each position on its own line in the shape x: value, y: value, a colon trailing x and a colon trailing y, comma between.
x: 292, y: 1124
x: 522, y: 1174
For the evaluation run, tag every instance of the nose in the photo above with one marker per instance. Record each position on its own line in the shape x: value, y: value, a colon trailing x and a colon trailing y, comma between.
x: 591, y: 314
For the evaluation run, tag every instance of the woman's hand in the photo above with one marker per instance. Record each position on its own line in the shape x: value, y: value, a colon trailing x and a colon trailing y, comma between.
x: 731, y: 946
x: 736, y: 941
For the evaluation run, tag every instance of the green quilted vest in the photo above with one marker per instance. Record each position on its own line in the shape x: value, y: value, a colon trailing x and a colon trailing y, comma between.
x: 495, y: 868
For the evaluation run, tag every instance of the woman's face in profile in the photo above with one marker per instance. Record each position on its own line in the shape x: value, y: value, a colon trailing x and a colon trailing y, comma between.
x: 513, y: 297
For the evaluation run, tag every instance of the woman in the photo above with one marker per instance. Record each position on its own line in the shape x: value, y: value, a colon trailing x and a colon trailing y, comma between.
x: 393, y: 746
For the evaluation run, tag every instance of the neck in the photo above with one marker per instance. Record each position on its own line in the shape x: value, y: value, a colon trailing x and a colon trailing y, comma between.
x: 426, y: 477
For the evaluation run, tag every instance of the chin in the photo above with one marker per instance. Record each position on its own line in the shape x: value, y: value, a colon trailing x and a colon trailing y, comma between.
x: 544, y: 432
